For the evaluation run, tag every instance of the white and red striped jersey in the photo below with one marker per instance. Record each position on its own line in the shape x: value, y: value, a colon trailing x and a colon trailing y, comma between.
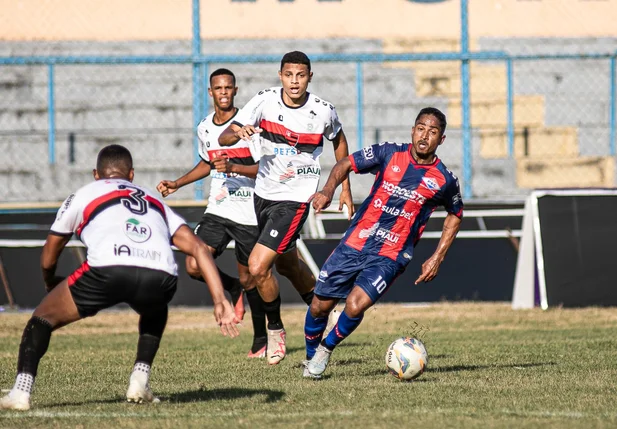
x: 121, y: 224
x: 291, y: 143
x: 231, y: 195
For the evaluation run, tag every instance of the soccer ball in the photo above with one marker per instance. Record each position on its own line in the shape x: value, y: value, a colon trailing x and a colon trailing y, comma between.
x: 406, y: 358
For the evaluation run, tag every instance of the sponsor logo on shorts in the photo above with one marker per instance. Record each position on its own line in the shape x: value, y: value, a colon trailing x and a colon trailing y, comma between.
x: 133, y: 252
x: 137, y: 231
x: 274, y: 233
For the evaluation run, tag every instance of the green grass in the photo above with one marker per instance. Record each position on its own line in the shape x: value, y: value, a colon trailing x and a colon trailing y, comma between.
x: 489, y: 367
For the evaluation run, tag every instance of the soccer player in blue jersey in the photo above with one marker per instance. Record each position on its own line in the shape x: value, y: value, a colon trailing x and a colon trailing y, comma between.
x: 410, y: 183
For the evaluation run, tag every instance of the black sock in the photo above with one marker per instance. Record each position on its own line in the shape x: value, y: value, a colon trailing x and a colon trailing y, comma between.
x: 258, y: 316
x: 273, y: 312
x: 307, y: 297
x: 147, y: 346
x: 34, y: 344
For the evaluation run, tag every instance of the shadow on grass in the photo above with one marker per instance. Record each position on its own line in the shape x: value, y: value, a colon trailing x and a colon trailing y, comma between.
x: 200, y: 395
x: 454, y: 368
x: 203, y: 395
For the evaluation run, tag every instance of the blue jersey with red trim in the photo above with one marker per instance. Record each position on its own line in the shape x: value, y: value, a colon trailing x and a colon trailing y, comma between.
x: 392, y: 218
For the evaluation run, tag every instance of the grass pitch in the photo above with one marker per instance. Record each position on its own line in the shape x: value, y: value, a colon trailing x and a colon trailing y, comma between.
x: 489, y: 367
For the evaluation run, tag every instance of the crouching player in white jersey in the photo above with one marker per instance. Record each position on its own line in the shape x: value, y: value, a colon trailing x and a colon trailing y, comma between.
x: 127, y: 231
x: 410, y: 183
x: 230, y: 213
x: 291, y: 124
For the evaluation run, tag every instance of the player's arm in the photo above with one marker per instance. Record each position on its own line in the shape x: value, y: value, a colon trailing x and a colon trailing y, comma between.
x: 451, y: 225
x: 185, y: 240
x: 234, y: 132
x: 201, y: 170
x: 54, y: 245
x: 339, y: 173
x: 223, y: 165
x: 341, y: 151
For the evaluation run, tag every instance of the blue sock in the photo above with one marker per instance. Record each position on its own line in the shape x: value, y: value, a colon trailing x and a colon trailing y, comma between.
x: 313, y: 331
x: 344, y: 327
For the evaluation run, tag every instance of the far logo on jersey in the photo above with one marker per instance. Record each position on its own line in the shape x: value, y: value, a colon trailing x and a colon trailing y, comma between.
x: 431, y: 183
x: 137, y: 231
x: 396, y: 168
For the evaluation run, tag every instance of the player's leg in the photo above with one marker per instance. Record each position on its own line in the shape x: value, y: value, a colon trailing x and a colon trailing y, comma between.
x: 56, y: 310
x: 213, y: 230
x: 153, y: 291
x: 291, y: 266
x: 371, y: 284
x: 261, y: 262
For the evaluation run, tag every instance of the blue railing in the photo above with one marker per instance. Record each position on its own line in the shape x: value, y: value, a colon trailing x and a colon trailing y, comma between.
x: 201, y: 62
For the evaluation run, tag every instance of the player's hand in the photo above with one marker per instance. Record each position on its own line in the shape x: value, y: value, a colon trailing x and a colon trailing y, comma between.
x: 247, y: 131
x: 222, y: 164
x: 167, y: 187
x: 226, y: 319
x: 347, y: 200
x: 429, y: 269
x: 52, y: 282
x: 321, y: 200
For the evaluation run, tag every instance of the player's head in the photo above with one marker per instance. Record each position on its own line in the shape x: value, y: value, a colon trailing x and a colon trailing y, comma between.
x: 223, y: 89
x: 114, y: 161
x: 428, y: 133
x: 295, y: 75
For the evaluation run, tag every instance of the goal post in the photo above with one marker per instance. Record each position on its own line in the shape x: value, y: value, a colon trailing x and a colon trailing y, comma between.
x: 566, y: 251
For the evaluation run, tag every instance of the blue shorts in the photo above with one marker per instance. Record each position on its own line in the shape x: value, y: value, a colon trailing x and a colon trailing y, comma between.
x: 347, y: 267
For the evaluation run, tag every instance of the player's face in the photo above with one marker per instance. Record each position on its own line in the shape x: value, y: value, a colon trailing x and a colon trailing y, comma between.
x: 426, y: 136
x: 223, y: 91
x: 295, y: 79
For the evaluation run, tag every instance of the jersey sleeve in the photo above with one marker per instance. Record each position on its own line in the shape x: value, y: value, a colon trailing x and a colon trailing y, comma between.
x: 333, y: 125
x: 201, y: 149
x: 251, y: 113
x: 369, y: 158
x: 68, y: 218
x: 174, y: 221
x: 453, y: 202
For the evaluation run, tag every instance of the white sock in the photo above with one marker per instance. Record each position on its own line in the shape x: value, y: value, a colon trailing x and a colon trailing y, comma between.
x: 24, y: 383
x: 141, y: 372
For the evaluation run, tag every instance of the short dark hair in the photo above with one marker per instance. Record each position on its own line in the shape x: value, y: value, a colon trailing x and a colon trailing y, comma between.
x: 222, y: 72
x: 114, y: 158
x: 296, y: 57
x: 436, y: 113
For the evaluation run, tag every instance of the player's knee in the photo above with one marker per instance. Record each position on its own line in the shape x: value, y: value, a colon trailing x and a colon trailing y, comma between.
x: 260, y: 272
x: 246, y: 280
x: 355, y: 307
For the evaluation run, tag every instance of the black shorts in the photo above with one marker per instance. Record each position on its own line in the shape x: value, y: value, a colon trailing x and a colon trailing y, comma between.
x: 280, y: 223
x: 144, y: 289
x: 217, y: 232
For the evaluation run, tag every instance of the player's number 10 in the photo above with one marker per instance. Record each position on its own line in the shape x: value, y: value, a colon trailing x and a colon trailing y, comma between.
x: 380, y: 284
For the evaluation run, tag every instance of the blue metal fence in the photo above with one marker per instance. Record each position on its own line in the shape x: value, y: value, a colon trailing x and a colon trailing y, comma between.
x: 201, y: 64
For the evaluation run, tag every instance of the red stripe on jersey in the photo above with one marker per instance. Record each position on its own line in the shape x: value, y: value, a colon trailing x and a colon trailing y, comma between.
x: 292, y: 228
x: 291, y: 136
x: 90, y: 208
x: 371, y: 217
x: 157, y: 205
x: 242, y: 152
x: 78, y: 273
x: 353, y: 163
